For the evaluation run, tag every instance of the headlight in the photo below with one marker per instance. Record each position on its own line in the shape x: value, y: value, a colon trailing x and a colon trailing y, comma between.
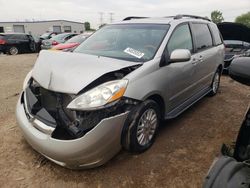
x: 26, y: 80
x: 100, y: 95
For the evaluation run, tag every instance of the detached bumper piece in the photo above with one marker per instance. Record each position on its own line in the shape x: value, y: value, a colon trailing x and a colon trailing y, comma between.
x: 232, y: 169
x: 226, y: 172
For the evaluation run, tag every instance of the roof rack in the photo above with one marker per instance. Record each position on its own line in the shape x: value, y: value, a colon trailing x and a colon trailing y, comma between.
x: 133, y: 17
x: 179, y: 16
x: 190, y: 16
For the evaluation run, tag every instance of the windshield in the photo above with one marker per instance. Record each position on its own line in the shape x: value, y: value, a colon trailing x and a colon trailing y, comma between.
x: 59, y: 37
x: 45, y: 35
x: 133, y: 42
x: 76, y: 39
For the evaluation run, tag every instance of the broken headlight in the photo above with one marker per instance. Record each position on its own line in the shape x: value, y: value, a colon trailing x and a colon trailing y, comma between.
x: 99, y: 96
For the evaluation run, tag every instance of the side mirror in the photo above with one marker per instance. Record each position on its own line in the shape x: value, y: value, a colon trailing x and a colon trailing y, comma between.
x: 239, y: 70
x: 180, y: 55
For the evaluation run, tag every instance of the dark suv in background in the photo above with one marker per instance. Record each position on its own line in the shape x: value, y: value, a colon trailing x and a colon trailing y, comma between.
x: 15, y: 43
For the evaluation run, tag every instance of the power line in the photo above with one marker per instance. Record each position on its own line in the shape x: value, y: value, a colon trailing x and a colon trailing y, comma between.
x: 101, y: 17
x: 111, y: 16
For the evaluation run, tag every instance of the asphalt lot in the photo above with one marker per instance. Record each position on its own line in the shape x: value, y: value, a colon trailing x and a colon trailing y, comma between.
x: 180, y: 157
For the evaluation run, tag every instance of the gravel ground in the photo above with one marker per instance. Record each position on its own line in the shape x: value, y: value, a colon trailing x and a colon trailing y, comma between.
x: 180, y: 157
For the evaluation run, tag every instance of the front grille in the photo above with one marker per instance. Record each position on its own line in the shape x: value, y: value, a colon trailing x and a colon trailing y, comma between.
x: 51, y: 108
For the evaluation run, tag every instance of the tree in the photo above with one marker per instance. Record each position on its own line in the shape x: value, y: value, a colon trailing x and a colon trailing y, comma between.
x: 216, y: 16
x: 244, y: 19
x: 87, y: 26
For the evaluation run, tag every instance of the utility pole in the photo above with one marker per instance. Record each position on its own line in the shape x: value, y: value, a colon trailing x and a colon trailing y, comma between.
x: 111, y: 16
x: 101, y: 18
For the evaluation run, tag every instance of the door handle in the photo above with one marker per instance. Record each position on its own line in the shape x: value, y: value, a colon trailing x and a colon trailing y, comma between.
x: 194, y: 61
x: 200, y: 59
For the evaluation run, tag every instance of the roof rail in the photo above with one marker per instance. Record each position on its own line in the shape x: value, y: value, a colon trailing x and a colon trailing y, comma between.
x: 179, y: 16
x: 133, y: 17
x: 190, y: 16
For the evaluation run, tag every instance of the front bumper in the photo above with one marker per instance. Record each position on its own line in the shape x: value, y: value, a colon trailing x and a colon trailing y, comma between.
x: 93, y: 149
x: 46, y: 47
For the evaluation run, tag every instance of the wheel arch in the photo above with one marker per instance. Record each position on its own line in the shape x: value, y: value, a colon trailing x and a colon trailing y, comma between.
x: 220, y: 68
x: 160, y: 101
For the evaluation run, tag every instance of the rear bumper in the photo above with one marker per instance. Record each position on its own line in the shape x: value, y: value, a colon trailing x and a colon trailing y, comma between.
x: 93, y: 149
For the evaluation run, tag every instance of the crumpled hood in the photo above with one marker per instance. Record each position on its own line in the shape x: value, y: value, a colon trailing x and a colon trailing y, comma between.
x: 70, y: 72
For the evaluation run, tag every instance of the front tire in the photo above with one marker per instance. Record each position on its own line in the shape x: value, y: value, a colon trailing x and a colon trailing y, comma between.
x: 13, y: 50
x: 141, y: 127
x: 215, y: 83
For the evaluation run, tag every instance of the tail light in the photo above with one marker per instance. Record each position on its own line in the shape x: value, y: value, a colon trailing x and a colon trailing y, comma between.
x: 2, y: 41
x: 54, y: 43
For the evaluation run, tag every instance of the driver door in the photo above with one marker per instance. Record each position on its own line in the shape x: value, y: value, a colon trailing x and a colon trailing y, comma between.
x: 180, y: 76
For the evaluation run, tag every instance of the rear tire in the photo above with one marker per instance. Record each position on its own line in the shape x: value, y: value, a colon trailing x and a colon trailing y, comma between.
x: 13, y: 50
x: 141, y: 127
x: 215, y: 83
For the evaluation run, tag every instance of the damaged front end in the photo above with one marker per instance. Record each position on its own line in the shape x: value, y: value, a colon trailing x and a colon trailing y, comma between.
x: 51, y: 108
x: 74, y: 113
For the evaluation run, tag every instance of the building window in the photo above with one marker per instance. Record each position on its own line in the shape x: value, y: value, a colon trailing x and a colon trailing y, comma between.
x: 57, y: 29
x: 18, y: 28
x: 67, y: 28
x: 1, y: 30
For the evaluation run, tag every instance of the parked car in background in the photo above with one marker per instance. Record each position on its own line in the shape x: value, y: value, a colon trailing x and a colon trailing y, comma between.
x: 15, y: 43
x: 231, y: 169
x: 233, y: 49
x: 58, y: 39
x: 71, y: 43
x: 48, y: 35
x: 38, y: 42
x: 236, y: 39
x: 79, y: 109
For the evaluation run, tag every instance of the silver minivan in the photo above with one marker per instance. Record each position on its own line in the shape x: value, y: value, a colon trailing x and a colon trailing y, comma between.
x: 79, y: 109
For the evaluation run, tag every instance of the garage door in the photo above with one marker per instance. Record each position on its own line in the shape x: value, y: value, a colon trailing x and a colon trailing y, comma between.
x: 57, y: 29
x: 18, y: 28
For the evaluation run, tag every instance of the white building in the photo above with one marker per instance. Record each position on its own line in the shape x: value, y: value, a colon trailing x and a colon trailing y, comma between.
x: 39, y: 27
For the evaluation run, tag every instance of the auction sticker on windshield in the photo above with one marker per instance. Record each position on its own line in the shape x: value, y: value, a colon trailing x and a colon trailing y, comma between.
x: 134, y: 52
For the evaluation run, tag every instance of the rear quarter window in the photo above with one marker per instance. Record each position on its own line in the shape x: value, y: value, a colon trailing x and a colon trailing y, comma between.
x: 216, y: 34
x: 202, y: 36
x: 13, y: 36
x: 23, y: 37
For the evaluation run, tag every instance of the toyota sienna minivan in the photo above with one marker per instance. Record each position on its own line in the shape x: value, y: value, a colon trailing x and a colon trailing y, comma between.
x: 79, y: 109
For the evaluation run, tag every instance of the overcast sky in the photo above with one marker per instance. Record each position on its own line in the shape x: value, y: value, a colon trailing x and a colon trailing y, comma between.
x: 89, y: 10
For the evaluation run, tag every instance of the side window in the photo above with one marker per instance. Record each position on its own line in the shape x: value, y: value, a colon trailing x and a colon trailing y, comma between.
x: 216, y: 34
x: 68, y: 37
x: 12, y: 36
x: 180, y: 39
x: 202, y: 35
x: 23, y: 37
